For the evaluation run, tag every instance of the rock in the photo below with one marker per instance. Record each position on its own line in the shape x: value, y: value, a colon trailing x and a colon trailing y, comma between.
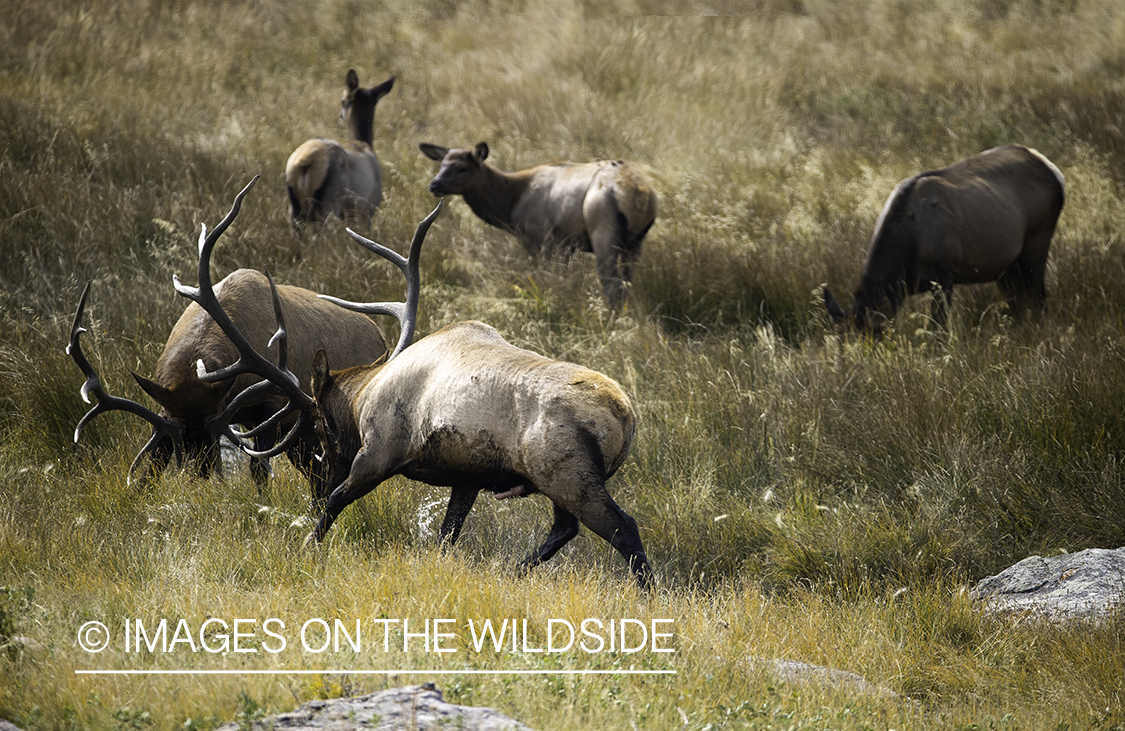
x: 1085, y: 585
x: 412, y: 708
x: 8, y: 726
x: 793, y: 671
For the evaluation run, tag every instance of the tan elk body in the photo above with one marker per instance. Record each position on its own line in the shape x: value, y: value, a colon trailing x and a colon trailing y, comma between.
x: 324, y: 177
x: 464, y: 408
x: 989, y: 217
x: 605, y: 207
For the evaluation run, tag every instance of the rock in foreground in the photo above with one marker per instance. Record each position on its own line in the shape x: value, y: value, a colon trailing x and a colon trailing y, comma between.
x: 411, y: 708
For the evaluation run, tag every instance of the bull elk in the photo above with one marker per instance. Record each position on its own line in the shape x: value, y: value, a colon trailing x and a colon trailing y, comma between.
x: 605, y: 207
x: 325, y: 177
x: 989, y: 217
x: 465, y: 409
x: 195, y: 412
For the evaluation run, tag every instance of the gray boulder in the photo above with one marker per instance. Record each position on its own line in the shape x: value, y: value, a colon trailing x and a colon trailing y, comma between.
x: 1085, y: 585
x: 803, y: 673
x: 411, y: 708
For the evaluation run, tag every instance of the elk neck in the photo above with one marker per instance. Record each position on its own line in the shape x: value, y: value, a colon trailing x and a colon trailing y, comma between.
x: 361, y: 124
x: 496, y: 195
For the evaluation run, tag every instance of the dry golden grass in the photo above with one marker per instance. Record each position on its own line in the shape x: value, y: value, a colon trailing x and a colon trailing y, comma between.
x: 801, y: 496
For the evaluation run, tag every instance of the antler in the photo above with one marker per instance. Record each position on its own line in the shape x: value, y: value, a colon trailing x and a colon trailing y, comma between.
x: 204, y: 296
x: 93, y: 385
x: 277, y: 377
x: 406, y: 312
x: 298, y: 399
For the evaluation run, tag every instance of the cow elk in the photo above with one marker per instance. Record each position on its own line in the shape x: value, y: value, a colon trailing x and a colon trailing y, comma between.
x: 604, y: 207
x: 463, y: 408
x: 195, y: 412
x: 989, y: 217
x: 326, y: 177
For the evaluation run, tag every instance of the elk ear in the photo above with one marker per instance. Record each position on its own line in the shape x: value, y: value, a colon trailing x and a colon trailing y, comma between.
x: 434, y: 152
x: 480, y: 152
x: 385, y: 88
x: 352, y: 80
x: 160, y: 394
x: 321, y: 379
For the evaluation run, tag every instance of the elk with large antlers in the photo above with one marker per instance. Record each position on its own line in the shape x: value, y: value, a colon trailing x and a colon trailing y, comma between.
x: 465, y: 409
x: 194, y: 412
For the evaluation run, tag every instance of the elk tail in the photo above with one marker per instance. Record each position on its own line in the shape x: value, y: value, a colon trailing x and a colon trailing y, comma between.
x: 307, y: 175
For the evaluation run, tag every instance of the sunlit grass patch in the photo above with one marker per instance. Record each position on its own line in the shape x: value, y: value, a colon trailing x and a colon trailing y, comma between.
x: 803, y: 495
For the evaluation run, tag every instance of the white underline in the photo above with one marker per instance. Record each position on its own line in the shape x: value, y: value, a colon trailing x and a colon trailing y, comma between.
x: 374, y: 672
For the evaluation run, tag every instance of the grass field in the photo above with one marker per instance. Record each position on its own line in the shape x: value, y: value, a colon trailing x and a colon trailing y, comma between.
x: 801, y: 495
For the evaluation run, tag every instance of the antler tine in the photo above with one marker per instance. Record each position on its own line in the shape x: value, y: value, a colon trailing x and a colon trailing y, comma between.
x: 406, y: 312
x: 249, y: 361
x: 106, y: 402
x: 207, y: 243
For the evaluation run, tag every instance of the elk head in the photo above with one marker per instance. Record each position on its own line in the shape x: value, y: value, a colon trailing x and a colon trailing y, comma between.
x: 357, y: 107
x: 459, y: 170
x: 196, y: 426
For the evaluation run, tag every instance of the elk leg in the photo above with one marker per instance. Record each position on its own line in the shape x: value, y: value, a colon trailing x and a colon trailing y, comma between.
x: 605, y: 241
x: 565, y: 528
x: 259, y: 471
x: 605, y: 517
x: 1013, y: 290
x: 1023, y: 284
x: 1020, y: 291
x: 260, y: 468
x: 368, y: 472
x: 631, y: 252
x: 302, y: 455
x: 211, y: 460
x: 461, y: 501
x: 942, y: 299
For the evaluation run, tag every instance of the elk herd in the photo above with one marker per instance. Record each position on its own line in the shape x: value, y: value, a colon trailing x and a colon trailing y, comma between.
x: 279, y: 369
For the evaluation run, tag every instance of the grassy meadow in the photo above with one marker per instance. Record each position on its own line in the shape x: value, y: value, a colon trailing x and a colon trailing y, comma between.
x: 801, y: 495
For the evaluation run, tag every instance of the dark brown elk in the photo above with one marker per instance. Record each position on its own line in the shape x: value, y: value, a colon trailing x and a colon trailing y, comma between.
x: 465, y: 409
x: 989, y: 217
x: 604, y: 207
x: 326, y: 177
x: 194, y: 413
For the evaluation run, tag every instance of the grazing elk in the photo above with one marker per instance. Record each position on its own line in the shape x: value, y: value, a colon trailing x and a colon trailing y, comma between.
x: 605, y: 207
x: 465, y: 409
x: 325, y: 177
x: 195, y: 413
x: 989, y: 217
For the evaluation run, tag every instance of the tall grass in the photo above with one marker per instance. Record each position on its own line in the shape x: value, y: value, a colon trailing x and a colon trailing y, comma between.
x: 801, y: 495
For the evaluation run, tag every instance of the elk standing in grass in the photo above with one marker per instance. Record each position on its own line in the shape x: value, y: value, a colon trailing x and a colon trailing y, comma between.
x: 326, y: 177
x: 989, y: 217
x: 465, y: 409
x: 195, y: 413
x: 605, y: 207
